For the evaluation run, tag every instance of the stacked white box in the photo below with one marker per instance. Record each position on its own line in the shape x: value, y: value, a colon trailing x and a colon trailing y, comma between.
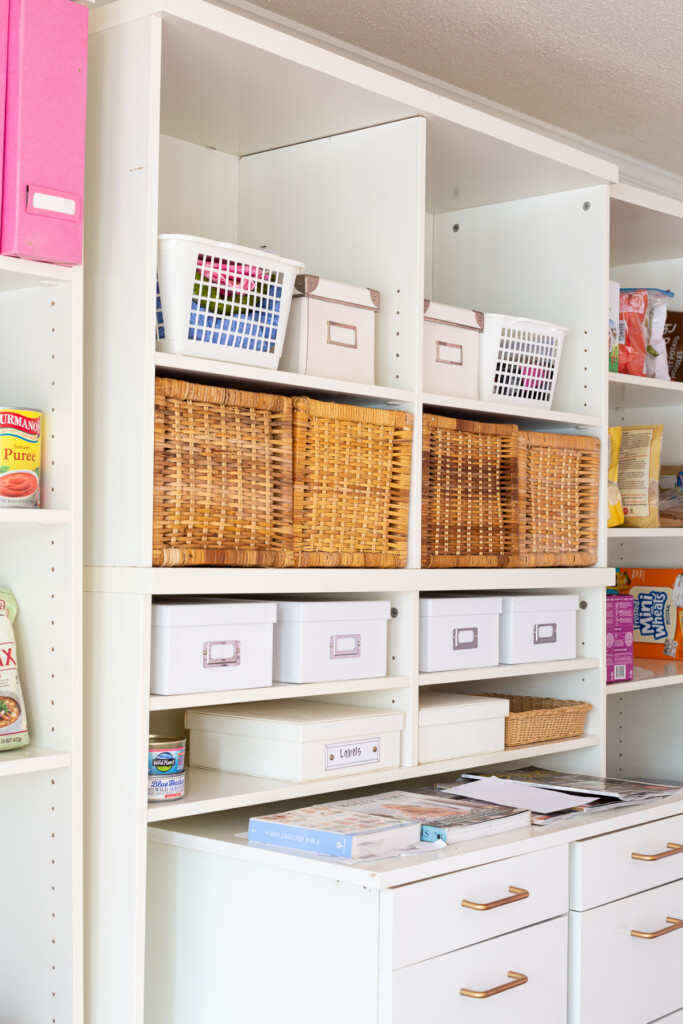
x: 458, y: 725
x: 538, y: 627
x: 458, y: 632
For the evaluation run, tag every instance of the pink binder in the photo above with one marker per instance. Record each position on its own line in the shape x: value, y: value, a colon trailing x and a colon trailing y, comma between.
x: 44, y: 153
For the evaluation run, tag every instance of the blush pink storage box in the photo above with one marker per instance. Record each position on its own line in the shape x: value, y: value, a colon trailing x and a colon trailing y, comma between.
x: 44, y: 150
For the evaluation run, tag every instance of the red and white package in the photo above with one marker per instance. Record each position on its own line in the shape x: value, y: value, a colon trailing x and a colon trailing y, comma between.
x: 633, y: 311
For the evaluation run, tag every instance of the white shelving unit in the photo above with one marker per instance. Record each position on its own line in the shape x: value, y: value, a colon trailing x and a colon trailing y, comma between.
x: 208, y: 123
x: 41, y: 935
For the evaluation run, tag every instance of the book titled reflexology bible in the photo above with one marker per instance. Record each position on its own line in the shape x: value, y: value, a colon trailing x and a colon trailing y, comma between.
x: 347, y: 834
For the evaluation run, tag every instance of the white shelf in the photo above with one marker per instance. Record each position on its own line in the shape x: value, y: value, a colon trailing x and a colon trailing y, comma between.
x: 666, y: 673
x: 32, y: 759
x: 278, y: 691
x: 124, y: 580
x: 510, y: 412
x: 35, y: 516
x: 644, y: 226
x: 16, y: 274
x: 656, y: 533
x: 237, y: 375
x: 628, y: 392
x: 508, y: 671
x: 208, y: 791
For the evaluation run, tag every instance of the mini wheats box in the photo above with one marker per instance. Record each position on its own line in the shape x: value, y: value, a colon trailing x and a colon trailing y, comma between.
x: 657, y: 611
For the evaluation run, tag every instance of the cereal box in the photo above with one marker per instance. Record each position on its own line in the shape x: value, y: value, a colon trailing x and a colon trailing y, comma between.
x: 619, y: 646
x: 657, y: 611
x: 20, y: 444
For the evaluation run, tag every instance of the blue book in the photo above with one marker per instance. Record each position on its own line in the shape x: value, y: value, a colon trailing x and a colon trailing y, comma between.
x: 333, y: 833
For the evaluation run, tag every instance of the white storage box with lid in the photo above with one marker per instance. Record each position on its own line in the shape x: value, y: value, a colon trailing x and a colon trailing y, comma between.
x: 204, y: 646
x: 457, y: 725
x: 331, y: 331
x: 458, y: 632
x: 451, y: 350
x: 222, y: 301
x: 519, y: 360
x: 321, y: 641
x: 538, y: 627
x: 294, y: 740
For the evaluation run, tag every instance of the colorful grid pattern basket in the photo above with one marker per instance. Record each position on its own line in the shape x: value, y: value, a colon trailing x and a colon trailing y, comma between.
x: 541, y: 719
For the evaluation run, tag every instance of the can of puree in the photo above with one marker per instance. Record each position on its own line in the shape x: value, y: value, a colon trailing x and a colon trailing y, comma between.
x: 20, y: 444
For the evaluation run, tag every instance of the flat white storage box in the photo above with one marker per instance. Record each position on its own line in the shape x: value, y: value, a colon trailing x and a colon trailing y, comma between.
x: 539, y: 627
x: 295, y: 740
x: 456, y: 725
x: 321, y: 641
x: 331, y: 330
x: 451, y: 350
x: 458, y: 632
x: 204, y: 646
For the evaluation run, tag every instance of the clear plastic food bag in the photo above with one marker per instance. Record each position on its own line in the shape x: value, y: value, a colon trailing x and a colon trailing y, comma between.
x: 13, y: 725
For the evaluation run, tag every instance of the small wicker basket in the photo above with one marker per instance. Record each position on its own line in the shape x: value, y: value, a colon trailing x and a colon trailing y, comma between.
x: 540, y: 719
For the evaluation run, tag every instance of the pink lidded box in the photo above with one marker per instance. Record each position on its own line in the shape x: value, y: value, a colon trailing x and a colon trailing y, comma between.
x: 619, y: 638
x: 44, y: 151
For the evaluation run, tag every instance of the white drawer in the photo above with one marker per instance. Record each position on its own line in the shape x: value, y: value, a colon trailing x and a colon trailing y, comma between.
x: 426, y: 919
x: 432, y: 991
x: 603, y: 869
x: 616, y: 976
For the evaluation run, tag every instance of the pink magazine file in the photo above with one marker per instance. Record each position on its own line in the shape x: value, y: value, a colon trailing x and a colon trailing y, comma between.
x: 44, y: 153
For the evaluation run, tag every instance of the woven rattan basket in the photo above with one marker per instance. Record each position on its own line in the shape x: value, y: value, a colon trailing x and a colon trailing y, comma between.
x: 469, y: 493
x: 351, y: 485
x: 222, y: 477
x: 540, y: 719
x: 559, y: 481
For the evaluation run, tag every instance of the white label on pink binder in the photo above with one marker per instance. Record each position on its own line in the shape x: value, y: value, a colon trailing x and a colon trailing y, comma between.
x: 353, y: 752
x: 51, y: 203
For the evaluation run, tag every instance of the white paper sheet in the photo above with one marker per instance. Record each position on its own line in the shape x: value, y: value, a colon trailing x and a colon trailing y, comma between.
x: 518, y: 794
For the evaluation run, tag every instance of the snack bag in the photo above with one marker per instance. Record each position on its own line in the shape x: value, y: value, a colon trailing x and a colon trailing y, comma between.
x: 657, y: 611
x: 639, y: 461
x: 632, y: 312
x: 656, y: 361
x: 13, y: 727
x: 615, y: 507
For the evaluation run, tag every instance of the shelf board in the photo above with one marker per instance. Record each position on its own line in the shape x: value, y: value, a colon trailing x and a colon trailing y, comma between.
x: 644, y: 226
x: 204, y: 580
x: 278, y: 691
x: 666, y: 673
x: 505, y: 411
x: 16, y: 274
x: 625, y: 532
x: 235, y: 374
x: 32, y: 759
x: 208, y: 791
x: 35, y: 516
x: 628, y: 392
x: 535, y: 668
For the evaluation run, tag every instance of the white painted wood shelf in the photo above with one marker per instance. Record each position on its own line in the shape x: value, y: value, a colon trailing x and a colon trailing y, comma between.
x: 508, y: 411
x: 17, y: 274
x: 630, y: 392
x: 509, y: 671
x: 35, y: 516
x: 645, y: 533
x: 207, y: 790
x: 278, y: 691
x: 664, y: 673
x: 32, y: 759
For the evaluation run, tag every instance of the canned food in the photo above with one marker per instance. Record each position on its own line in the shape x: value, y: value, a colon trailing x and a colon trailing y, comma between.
x: 166, y: 755
x: 166, y: 787
x: 20, y: 443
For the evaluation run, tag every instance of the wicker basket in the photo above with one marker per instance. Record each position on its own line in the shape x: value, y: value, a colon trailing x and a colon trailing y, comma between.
x: 540, y: 719
x: 469, y: 493
x: 351, y: 485
x: 559, y: 481
x: 222, y: 477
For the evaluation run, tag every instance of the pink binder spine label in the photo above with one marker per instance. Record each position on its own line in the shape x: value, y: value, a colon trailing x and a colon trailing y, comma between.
x: 49, y: 202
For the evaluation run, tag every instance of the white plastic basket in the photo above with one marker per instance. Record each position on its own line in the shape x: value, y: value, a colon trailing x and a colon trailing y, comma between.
x: 519, y: 360
x: 222, y: 301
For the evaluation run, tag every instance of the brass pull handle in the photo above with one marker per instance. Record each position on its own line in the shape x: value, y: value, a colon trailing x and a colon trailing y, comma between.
x: 671, y: 849
x: 520, y: 979
x: 674, y: 922
x: 519, y: 894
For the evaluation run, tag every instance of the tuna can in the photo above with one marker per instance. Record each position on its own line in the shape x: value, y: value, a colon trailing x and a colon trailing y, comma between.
x: 166, y: 755
x: 165, y: 787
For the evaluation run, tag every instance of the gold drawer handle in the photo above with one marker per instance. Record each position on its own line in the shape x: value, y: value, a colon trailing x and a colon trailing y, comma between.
x: 518, y: 894
x: 520, y: 979
x: 671, y: 849
x: 674, y: 924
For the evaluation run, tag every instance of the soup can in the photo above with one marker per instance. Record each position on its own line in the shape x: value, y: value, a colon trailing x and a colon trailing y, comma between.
x: 165, y: 787
x: 166, y: 755
x: 20, y: 445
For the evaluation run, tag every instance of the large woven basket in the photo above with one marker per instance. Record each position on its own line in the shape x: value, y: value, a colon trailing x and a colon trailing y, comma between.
x: 540, y: 719
x: 222, y: 476
x: 351, y: 485
x: 469, y: 493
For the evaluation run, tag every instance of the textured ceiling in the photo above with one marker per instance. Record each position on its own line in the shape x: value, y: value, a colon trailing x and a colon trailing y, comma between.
x: 608, y: 70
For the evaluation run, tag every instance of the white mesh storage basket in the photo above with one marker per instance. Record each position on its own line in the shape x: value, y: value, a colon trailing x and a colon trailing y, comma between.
x: 222, y: 301
x: 519, y: 360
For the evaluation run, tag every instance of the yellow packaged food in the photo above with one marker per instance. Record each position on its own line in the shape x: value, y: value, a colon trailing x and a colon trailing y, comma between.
x: 616, y: 509
x: 639, y: 461
x: 20, y: 445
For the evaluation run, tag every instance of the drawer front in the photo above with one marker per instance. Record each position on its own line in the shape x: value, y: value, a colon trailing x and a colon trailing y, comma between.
x: 616, y: 976
x: 603, y: 869
x: 433, y: 990
x: 428, y: 918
